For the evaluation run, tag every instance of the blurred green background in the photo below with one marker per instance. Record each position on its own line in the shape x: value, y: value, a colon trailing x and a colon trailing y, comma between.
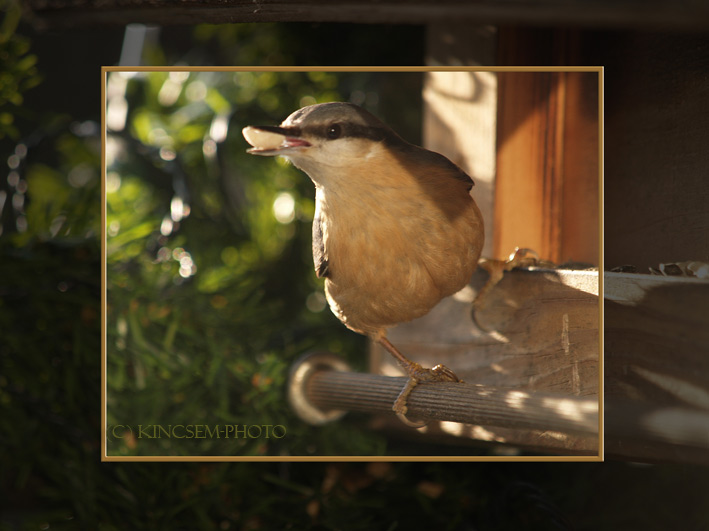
x: 215, y: 341
x: 211, y: 292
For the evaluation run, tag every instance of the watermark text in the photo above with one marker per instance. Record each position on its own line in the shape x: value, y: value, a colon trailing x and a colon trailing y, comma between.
x: 197, y: 431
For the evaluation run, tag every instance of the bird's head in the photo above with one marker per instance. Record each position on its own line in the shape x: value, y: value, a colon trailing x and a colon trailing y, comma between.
x: 323, y: 139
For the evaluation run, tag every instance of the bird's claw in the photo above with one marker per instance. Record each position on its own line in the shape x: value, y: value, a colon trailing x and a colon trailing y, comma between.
x: 521, y: 257
x: 441, y: 373
x: 417, y: 375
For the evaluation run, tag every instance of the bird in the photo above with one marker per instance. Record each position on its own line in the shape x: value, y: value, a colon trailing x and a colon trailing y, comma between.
x: 395, y: 228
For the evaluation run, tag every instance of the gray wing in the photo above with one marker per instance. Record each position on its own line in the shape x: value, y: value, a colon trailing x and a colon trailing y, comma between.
x: 319, y: 257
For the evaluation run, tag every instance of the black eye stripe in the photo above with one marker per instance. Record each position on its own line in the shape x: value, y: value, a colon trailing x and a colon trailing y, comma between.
x: 346, y: 130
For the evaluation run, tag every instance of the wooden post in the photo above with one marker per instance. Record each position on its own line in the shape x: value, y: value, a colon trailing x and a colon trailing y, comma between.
x: 547, y: 183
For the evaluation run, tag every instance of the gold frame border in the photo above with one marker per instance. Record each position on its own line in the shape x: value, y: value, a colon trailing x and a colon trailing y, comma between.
x: 393, y: 69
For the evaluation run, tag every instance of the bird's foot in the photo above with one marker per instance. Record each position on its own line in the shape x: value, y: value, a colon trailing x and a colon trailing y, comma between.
x: 418, y: 374
x: 439, y: 373
x: 496, y: 269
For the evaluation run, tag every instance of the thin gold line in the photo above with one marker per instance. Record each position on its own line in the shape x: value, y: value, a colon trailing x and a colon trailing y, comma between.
x: 104, y: 457
x: 601, y: 265
x: 352, y: 68
x: 103, y: 263
x: 355, y: 458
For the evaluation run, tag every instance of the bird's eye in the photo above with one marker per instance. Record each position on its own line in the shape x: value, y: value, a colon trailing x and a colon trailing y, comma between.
x: 334, y: 131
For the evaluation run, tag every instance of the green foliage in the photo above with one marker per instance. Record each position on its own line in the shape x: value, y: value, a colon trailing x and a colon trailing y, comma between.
x: 202, y: 321
x: 208, y: 267
x: 19, y: 72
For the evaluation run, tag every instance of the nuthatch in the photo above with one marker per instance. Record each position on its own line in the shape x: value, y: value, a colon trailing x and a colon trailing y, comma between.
x: 395, y: 227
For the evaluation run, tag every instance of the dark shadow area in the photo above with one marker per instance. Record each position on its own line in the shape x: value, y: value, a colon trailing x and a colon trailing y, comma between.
x: 52, y: 476
x: 657, y: 361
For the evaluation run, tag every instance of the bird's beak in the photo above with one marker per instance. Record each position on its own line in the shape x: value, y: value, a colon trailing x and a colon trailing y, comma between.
x: 268, y: 140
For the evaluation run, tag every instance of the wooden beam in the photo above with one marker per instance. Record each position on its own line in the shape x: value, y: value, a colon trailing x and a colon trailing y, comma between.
x: 657, y: 367
x: 680, y: 14
x: 540, y: 335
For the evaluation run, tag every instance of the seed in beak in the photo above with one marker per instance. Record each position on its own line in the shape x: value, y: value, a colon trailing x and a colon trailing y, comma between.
x: 261, y: 139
